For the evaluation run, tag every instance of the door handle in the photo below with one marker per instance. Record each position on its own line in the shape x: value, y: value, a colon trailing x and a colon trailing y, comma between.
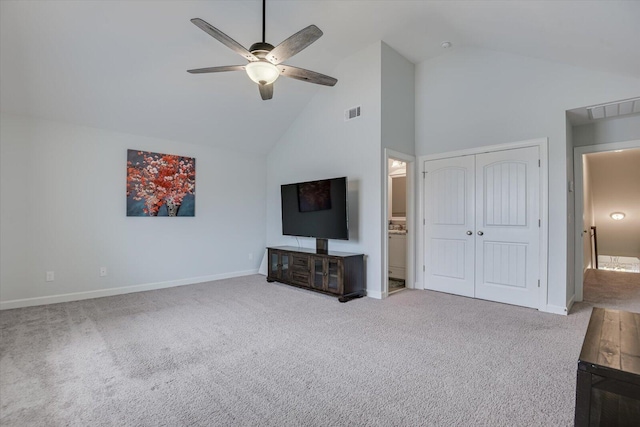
x: 480, y: 233
x: 469, y: 232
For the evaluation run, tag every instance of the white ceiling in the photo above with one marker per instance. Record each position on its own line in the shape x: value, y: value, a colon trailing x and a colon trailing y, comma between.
x: 121, y: 65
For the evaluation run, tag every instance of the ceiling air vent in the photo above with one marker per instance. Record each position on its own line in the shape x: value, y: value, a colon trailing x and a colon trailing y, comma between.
x: 352, y: 113
x: 621, y: 108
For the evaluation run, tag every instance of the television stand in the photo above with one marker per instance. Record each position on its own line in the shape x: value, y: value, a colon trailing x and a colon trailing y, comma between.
x: 349, y: 297
x: 339, y: 274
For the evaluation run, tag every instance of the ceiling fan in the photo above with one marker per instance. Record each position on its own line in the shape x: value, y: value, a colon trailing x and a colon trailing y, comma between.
x: 265, y: 61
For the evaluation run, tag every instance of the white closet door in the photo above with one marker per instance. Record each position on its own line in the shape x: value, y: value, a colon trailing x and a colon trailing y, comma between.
x: 449, y: 224
x: 507, y: 227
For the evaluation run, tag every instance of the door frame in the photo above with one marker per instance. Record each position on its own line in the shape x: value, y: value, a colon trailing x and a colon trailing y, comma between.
x: 543, y: 146
x: 578, y: 208
x: 411, y: 222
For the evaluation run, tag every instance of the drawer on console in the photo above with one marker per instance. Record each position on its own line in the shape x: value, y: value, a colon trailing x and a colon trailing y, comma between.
x: 300, y: 261
x: 300, y: 277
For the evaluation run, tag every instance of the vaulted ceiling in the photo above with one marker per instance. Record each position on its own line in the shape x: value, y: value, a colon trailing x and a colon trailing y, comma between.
x: 121, y: 65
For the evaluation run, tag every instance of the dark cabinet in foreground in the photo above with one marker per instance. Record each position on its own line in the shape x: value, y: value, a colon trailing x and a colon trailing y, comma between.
x: 608, y: 377
x: 334, y: 273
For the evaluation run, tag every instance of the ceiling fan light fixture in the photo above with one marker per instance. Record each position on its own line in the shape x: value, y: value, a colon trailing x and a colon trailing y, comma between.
x: 262, y: 72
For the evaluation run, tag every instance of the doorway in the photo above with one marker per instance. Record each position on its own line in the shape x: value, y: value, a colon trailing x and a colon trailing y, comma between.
x: 608, y: 215
x: 399, y: 225
x: 397, y: 207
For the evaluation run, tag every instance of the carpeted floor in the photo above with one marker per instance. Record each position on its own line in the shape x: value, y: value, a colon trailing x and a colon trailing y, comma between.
x: 243, y: 352
x: 612, y: 288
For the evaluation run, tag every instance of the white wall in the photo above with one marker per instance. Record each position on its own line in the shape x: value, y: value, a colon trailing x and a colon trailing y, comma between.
x: 472, y: 97
x: 320, y: 144
x: 398, y: 102
x: 614, y: 129
x: 570, y: 290
x: 587, y: 214
x: 63, y: 208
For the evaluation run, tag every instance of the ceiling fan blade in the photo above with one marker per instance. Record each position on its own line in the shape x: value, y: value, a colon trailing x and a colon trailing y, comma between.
x: 294, y: 44
x: 306, y: 75
x: 217, y: 69
x: 224, y: 39
x: 266, y: 91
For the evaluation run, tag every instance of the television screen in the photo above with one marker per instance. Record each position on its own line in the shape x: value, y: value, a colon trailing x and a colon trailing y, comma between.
x: 316, y: 209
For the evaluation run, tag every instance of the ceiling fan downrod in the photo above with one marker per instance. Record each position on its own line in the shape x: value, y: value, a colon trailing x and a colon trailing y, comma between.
x: 261, y: 49
x: 264, y: 12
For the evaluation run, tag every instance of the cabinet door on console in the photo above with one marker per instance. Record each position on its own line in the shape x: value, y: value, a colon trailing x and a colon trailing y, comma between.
x: 279, y: 265
x: 334, y: 276
x: 327, y: 275
x: 317, y: 274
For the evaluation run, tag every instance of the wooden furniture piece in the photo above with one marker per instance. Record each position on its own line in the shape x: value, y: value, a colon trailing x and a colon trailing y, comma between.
x: 335, y: 273
x: 608, y: 380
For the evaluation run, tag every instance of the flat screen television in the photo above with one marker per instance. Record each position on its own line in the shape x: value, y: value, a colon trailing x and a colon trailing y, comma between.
x: 316, y: 209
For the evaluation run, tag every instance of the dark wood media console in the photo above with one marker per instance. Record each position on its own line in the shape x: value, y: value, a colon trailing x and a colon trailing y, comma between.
x: 335, y: 273
x: 608, y: 378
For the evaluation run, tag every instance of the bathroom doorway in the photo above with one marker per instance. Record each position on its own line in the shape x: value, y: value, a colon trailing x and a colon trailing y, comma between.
x: 399, y: 225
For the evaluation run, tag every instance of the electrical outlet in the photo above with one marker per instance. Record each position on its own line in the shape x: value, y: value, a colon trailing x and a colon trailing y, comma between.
x: 103, y: 271
x: 250, y: 256
x: 50, y: 276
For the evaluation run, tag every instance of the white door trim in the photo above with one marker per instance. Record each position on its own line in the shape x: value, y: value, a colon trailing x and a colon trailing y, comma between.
x: 486, y: 149
x: 543, y: 145
x: 411, y: 222
x: 578, y: 173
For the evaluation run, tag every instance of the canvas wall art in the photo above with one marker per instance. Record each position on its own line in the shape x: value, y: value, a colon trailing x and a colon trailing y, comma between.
x: 160, y: 184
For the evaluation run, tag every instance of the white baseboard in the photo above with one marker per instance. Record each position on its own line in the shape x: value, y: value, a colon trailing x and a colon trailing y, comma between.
x: 555, y: 309
x: 570, y: 303
x: 77, y: 296
x: 374, y: 294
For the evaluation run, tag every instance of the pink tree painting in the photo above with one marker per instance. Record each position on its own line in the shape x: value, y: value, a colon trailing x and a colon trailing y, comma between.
x: 160, y: 184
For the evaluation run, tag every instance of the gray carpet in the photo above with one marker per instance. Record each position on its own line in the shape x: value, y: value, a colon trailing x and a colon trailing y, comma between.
x: 242, y: 352
x: 612, y: 289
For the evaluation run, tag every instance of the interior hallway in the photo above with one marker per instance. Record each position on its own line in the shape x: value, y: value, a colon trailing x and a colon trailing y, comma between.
x: 612, y: 289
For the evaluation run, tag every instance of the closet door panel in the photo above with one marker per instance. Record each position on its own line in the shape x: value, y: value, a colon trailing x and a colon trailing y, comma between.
x: 449, y: 211
x: 507, y: 237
